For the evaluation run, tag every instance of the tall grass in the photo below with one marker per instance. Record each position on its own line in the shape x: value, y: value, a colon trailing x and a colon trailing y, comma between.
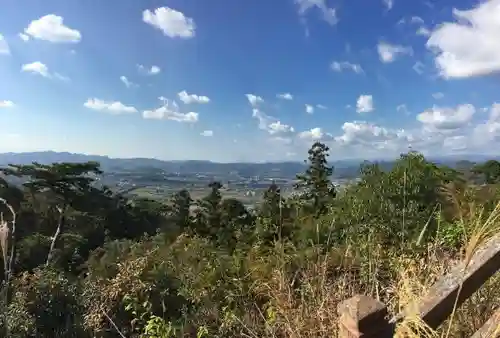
x: 309, y: 308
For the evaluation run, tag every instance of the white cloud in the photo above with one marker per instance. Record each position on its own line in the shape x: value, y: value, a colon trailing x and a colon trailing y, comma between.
x: 314, y: 134
x: 329, y: 14
x: 254, y: 100
x: 4, y: 46
x: 470, y: 46
x: 127, y: 82
x: 438, y: 95
x: 6, y: 104
x: 423, y: 31
x: 41, y: 69
x: 388, y: 4
x: 207, y: 133
x: 170, y: 111
x: 320, y: 106
x: 111, y: 107
x: 192, y: 98
x: 153, y: 70
x: 271, y: 124
x: 417, y: 20
x: 489, y: 131
x: 340, y: 66
x: 445, y: 118
x: 51, y: 28
x: 389, y: 53
x: 364, y: 133
x: 278, y: 127
x: 24, y: 37
x: 309, y: 109
x: 171, y: 22
x: 36, y: 67
x: 285, y: 96
x: 364, y: 104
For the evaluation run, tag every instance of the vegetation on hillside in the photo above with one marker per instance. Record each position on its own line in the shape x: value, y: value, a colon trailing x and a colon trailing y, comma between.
x: 80, y: 261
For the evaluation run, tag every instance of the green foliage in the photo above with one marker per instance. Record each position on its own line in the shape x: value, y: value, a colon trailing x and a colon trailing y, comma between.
x: 213, y: 268
x: 315, y: 182
x: 490, y: 170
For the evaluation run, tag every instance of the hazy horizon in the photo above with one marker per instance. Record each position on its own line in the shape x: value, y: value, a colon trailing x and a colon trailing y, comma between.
x: 184, y: 79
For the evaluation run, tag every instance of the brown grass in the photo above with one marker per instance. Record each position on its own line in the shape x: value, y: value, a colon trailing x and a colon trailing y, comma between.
x: 312, y: 310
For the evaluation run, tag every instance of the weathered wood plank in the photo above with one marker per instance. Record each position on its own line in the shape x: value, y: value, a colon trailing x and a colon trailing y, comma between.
x: 461, y: 282
x: 363, y: 316
x: 490, y: 329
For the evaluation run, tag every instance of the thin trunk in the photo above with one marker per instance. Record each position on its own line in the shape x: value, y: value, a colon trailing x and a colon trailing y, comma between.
x: 60, y: 226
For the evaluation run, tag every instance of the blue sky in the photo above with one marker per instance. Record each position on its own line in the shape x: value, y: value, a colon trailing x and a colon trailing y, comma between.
x: 250, y: 80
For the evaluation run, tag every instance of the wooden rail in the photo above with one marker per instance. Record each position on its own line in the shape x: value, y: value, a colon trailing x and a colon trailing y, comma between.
x: 363, y: 316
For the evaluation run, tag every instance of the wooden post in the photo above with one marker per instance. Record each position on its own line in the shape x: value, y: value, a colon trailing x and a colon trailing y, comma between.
x: 363, y: 316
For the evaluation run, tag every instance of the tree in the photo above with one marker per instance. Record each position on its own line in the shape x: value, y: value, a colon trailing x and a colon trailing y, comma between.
x: 275, y: 216
x: 490, y: 170
x: 64, y: 184
x: 181, y: 209
x: 316, y: 181
x: 271, y: 205
x: 208, y: 216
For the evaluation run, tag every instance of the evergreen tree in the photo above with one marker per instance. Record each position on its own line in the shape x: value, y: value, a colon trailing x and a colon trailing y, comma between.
x: 315, y: 182
x: 181, y: 205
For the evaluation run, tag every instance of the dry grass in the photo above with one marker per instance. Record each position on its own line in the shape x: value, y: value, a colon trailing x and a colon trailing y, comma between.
x: 312, y: 310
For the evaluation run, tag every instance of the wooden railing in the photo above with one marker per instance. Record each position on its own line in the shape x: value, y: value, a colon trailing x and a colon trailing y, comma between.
x: 363, y: 316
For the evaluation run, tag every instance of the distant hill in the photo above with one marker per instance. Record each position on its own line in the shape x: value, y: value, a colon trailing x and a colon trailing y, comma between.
x: 346, y: 169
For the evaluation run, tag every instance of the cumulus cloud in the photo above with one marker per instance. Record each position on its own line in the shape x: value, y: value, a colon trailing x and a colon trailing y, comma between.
x: 329, y: 14
x: 364, y: 104
x: 345, y: 65
x: 489, y: 131
x: 37, y: 68
x: 423, y: 31
x: 41, y: 69
x: 153, y: 70
x: 271, y: 124
x: 172, y: 23
x: 364, y: 133
x: 4, y: 46
x: 24, y: 37
x: 278, y: 127
x: 446, y: 118
x: 51, y: 28
x: 309, y: 108
x: 389, y: 53
x: 6, y: 104
x: 170, y: 111
x: 192, y: 98
x: 254, y: 99
x: 314, y: 134
x: 207, y: 133
x: 469, y: 46
x: 112, y: 107
x: 285, y: 96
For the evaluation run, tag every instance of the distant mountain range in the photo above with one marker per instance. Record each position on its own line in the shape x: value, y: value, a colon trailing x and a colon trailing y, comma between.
x: 285, y: 169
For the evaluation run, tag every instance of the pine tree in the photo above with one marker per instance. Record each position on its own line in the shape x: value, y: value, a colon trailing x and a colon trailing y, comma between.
x: 315, y: 182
